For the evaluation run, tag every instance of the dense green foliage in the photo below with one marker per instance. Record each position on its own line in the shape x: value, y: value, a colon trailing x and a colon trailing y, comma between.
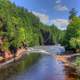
x: 57, y: 35
x: 18, y: 26
x: 77, y: 62
x: 72, y: 35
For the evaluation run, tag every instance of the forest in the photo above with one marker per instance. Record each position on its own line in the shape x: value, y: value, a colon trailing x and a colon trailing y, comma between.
x: 21, y: 28
x: 72, y: 35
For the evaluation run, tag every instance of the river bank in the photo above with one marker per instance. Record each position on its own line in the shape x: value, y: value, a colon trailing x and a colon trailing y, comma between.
x: 67, y: 59
x: 70, y: 69
x: 19, y: 55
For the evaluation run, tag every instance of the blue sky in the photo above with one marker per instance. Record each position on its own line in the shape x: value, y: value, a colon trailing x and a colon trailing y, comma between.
x: 50, y: 11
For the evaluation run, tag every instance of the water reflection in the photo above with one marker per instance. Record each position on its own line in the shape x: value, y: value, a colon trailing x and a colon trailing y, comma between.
x: 46, y: 69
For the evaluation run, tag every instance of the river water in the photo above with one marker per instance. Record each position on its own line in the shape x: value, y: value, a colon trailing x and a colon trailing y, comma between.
x: 47, y: 68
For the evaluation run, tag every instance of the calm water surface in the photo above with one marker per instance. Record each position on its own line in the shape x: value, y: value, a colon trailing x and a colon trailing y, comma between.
x: 48, y: 68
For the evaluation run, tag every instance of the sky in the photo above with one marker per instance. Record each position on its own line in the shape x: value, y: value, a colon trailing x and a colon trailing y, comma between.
x: 50, y: 11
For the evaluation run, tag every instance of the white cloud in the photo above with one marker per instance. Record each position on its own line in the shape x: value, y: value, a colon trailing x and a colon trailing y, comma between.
x: 60, y: 7
x: 58, y: 1
x: 60, y: 23
x: 43, y: 17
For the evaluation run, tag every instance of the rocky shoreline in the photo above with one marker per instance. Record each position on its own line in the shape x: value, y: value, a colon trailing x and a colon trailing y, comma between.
x: 21, y: 54
x: 69, y: 66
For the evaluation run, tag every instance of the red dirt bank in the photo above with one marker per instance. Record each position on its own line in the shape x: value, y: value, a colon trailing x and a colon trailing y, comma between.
x: 8, y: 55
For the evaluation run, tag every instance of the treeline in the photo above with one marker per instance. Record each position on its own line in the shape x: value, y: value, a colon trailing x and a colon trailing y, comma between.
x: 72, y: 35
x: 19, y: 27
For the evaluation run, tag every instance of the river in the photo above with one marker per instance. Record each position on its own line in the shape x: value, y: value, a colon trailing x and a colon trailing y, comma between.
x: 47, y: 68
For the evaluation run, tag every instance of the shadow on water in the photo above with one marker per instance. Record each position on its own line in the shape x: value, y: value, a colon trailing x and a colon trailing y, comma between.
x: 47, y: 68
x: 18, y: 67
